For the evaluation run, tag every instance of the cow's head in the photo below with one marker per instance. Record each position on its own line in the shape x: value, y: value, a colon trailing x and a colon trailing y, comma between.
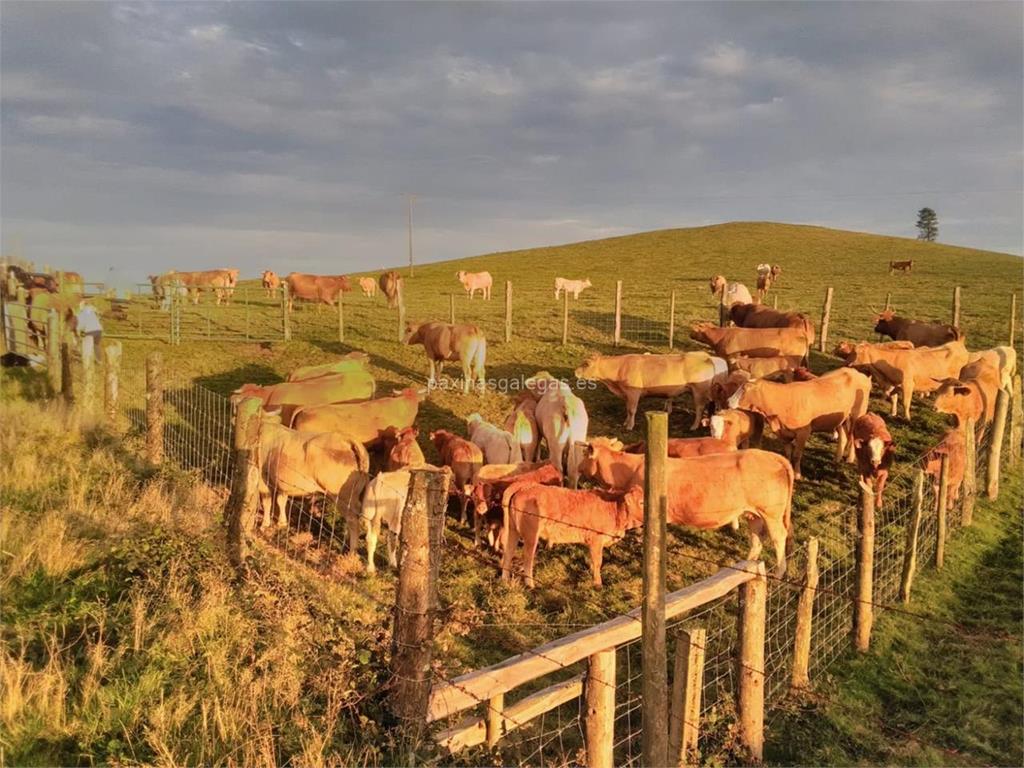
x: 589, y: 368
x: 633, y: 504
x: 717, y: 284
x: 728, y: 393
x: 738, y: 312
x: 702, y: 332
x: 957, y: 399
x: 776, y: 271
x: 590, y: 452
x: 540, y: 384
x: 884, y: 322
x: 461, y: 275
x: 412, y: 333
x: 411, y: 393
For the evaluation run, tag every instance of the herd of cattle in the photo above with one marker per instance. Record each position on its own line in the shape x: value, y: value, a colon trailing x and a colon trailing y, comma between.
x: 325, y: 432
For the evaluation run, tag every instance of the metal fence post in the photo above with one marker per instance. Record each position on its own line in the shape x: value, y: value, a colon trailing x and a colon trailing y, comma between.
x: 995, y: 450
x: 750, y: 688
x: 826, y: 315
x: 154, y: 409
x: 863, y: 608
x: 804, y: 619
x: 654, y: 739
x: 241, y: 503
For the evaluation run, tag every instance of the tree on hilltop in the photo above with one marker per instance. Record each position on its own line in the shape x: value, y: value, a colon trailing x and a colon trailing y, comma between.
x: 927, y: 225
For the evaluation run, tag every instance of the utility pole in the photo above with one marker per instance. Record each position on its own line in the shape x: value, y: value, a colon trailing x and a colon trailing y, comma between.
x: 410, y: 197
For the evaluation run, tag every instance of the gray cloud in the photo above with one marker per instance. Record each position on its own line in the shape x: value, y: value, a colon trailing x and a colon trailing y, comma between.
x: 138, y: 135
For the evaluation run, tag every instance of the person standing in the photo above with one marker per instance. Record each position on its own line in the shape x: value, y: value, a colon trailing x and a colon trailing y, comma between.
x: 89, y: 327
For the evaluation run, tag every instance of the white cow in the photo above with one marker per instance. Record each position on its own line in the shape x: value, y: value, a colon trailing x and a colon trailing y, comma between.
x: 575, y: 287
x: 368, y: 286
x: 735, y: 293
x: 498, y: 446
x: 1003, y: 359
x: 476, y: 281
x: 562, y: 420
x: 383, y: 502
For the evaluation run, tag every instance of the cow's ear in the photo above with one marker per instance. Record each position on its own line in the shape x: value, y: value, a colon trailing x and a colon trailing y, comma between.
x: 962, y: 390
x: 858, y: 443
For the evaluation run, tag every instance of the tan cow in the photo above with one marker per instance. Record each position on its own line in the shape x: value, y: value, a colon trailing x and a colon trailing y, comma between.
x: 401, y: 449
x: 325, y: 289
x: 830, y: 403
x: 353, y: 386
x: 767, y: 274
x: 363, y: 421
x: 563, y: 516
x: 446, y: 342
x: 498, y: 445
x: 353, y: 361
x: 573, y: 287
x: 782, y: 368
x: 271, y: 283
x: 752, y: 342
x: 906, y: 370
x: 972, y: 395
x: 220, y: 281
x: 954, y: 448
x: 294, y: 464
x: 390, y: 284
x: 491, y: 482
x: 476, y: 281
x: 740, y: 429
x: 368, y: 286
x: 465, y: 460
x: 634, y: 376
x: 607, y: 461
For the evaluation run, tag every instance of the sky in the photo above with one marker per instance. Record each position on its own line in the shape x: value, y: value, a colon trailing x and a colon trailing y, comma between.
x: 140, y: 137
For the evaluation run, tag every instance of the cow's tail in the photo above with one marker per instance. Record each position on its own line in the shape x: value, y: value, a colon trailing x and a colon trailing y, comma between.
x: 506, y: 504
x: 787, y: 514
x: 295, y: 415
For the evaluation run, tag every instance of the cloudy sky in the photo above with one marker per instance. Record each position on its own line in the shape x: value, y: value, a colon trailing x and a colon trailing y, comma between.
x: 149, y: 135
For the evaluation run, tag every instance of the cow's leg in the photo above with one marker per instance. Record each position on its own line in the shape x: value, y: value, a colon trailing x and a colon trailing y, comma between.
x: 756, y: 525
x: 432, y: 381
x: 777, y: 533
x: 880, y: 480
x: 908, y: 394
x: 632, y: 397
x: 509, y: 544
x: 282, y: 500
x: 894, y: 403
x: 529, y: 555
x: 372, y: 532
x: 467, y: 377
x: 596, y: 556
x: 352, y: 521
x: 700, y: 403
x: 392, y: 544
x: 264, y: 509
x: 799, y: 441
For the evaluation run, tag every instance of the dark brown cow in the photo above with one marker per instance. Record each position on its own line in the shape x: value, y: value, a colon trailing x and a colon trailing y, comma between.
x: 901, y: 266
x: 920, y: 334
x: 762, y: 316
x: 32, y: 280
x: 320, y: 288
x: 389, y: 282
x: 458, y: 343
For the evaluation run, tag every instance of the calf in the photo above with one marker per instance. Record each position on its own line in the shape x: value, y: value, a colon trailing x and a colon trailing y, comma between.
x: 767, y: 274
x: 271, y: 283
x: 740, y: 429
x: 476, y: 281
x: 368, y: 286
x: 465, y: 460
x: 561, y: 516
x: 902, y: 266
x: 921, y: 334
x: 400, y: 448
x: 575, y: 287
x: 491, y: 482
x: 953, y: 447
x: 390, y: 285
x: 971, y: 396
x: 451, y: 342
x: 872, y: 445
x: 383, y: 503
x: 522, y: 423
x: 498, y: 445
x: 686, y: 447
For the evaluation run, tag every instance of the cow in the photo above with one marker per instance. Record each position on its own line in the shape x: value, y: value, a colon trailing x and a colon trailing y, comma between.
x: 902, y: 266
x: 498, y: 445
x: 729, y: 293
x: 686, y: 447
x: 562, y: 420
x: 271, y: 283
x: 383, y: 503
x: 39, y: 303
x: 761, y: 316
x: 400, y: 448
x: 574, y: 287
x: 619, y: 467
x: 873, y: 447
x: 353, y: 361
x: 324, y: 289
x: 30, y: 280
x: 295, y: 464
x: 920, y: 334
x: 767, y: 274
x: 781, y: 368
x: 368, y: 286
x: 971, y: 396
x: 458, y: 342
x: 905, y: 370
x: 390, y: 284
x: 465, y: 459
x: 954, y: 448
x: 830, y: 403
x: 220, y: 281
x: 1002, y: 358
x: 353, y: 386
x: 562, y: 516
x: 634, y: 376
x: 522, y: 423
x: 363, y: 421
x: 491, y: 482
x: 752, y: 342
x: 476, y: 281
x: 740, y: 429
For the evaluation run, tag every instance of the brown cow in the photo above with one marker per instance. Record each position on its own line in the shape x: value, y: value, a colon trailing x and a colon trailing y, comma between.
x: 444, y: 342
x: 465, y: 459
x: 491, y: 482
x: 634, y: 376
x: 903, y: 266
x: 325, y: 289
x: 920, y: 334
x: 271, y: 283
x: 562, y: 516
x: 906, y: 370
x: 972, y: 395
x: 32, y: 280
x: 290, y: 395
x: 390, y: 283
x: 752, y: 342
x: 829, y: 403
x: 954, y: 448
x: 401, y: 449
x: 363, y: 421
x: 873, y: 447
x: 353, y: 361
x: 301, y: 464
x: 782, y: 368
x: 685, y: 447
x: 740, y: 429
x: 762, y: 316
x: 619, y: 467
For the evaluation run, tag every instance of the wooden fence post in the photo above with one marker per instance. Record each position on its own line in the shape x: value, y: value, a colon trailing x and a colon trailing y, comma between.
x: 888, y: 301
x: 412, y: 640
x: 723, y: 310
x: 286, y: 321
x: 913, y: 525
x: 600, y: 712
x: 940, y: 512
x: 400, y: 296
x: 863, y: 613
x: 495, y: 727
x: 750, y: 689
x: 154, y: 409
x: 341, y: 317
x: 112, y: 371
x: 654, y: 738
x: 67, y: 385
x: 1013, y: 317
x: 53, y: 360
x: 88, y: 401
x: 969, y: 492
x: 508, y: 311
x: 241, y: 505
x: 687, y: 685
x: 804, y: 619
x: 451, y: 308
x: 565, y: 318
x: 995, y: 449
x: 826, y: 314
x: 618, y: 312
x: 956, y: 306
x: 672, y: 320
x: 775, y: 301
x: 3, y: 324
x: 1016, y: 420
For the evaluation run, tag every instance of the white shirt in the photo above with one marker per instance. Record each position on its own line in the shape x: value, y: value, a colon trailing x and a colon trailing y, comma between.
x: 88, y: 320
